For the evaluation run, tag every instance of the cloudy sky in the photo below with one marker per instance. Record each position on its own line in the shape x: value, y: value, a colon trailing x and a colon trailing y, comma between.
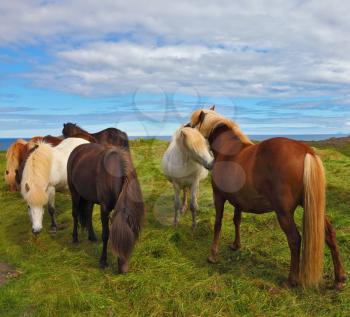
x: 275, y: 67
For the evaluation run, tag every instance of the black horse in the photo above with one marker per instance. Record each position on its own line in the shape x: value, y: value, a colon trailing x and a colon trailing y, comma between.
x: 106, y: 176
x: 109, y: 136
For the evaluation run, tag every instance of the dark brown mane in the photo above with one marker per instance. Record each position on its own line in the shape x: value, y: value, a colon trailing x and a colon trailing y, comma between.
x: 107, y: 136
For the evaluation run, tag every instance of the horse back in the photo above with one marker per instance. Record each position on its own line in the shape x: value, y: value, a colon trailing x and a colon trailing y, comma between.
x: 112, y: 136
x: 279, y: 169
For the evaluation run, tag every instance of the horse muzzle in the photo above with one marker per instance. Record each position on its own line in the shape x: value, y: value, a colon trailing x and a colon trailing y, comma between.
x: 36, y: 232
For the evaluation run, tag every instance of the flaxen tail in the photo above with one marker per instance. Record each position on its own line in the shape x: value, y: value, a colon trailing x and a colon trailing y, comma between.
x: 311, y: 272
x: 129, y: 212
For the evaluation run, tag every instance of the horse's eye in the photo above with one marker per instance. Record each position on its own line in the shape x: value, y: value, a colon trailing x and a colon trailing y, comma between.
x: 7, y: 172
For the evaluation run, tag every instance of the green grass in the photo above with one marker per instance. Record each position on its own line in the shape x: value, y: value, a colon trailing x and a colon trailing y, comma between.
x: 169, y: 275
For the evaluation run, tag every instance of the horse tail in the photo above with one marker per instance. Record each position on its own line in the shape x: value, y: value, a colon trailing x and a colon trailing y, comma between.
x: 129, y: 213
x: 36, y: 175
x: 311, y: 272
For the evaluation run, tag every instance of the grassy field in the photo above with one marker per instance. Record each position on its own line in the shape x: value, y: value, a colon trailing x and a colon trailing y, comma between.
x: 169, y: 274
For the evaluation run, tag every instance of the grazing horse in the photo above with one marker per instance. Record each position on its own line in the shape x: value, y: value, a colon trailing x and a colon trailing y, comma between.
x: 44, y: 170
x: 183, y: 163
x: 277, y: 174
x: 14, y: 157
x: 110, y: 136
x: 106, y: 176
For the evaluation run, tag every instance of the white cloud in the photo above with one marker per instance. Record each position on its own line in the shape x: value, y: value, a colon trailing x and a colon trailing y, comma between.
x: 219, y: 48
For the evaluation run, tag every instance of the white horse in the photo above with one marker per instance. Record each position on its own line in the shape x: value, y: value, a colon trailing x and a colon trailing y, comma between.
x: 183, y: 164
x: 45, y: 170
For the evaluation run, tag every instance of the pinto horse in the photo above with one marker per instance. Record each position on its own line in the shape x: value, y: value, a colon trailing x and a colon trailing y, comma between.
x: 109, y: 136
x: 106, y: 176
x: 17, y: 152
x: 277, y: 174
x: 43, y: 171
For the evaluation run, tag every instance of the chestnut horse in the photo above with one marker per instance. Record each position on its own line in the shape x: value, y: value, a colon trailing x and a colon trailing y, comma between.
x: 14, y: 156
x: 106, y: 176
x: 277, y: 174
x: 109, y: 136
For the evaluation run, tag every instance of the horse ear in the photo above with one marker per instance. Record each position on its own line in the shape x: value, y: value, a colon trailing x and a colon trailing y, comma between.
x: 201, y: 117
x: 212, y: 108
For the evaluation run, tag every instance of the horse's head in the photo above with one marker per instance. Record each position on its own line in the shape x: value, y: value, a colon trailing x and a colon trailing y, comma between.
x: 196, y: 146
x: 70, y: 129
x: 36, y: 214
x: 207, y: 121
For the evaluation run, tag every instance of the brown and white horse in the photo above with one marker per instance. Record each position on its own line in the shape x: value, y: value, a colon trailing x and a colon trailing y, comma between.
x: 274, y: 175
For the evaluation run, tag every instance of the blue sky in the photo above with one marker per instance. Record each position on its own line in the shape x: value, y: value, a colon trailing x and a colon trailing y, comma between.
x: 275, y: 67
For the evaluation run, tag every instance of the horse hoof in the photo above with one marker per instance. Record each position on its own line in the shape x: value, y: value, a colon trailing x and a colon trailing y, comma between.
x: 342, y: 278
x: 53, y: 230
x: 339, y: 286
x: 75, y: 241
x: 292, y: 284
x: 194, y: 226
x: 103, y: 265
x: 123, y: 269
x: 93, y: 239
x: 235, y: 246
x: 211, y: 259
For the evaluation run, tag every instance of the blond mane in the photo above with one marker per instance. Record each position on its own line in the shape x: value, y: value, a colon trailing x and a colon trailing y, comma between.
x: 191, y: 139
x: 33, y: 142
x: 212, y: 120
x: 36, y: 175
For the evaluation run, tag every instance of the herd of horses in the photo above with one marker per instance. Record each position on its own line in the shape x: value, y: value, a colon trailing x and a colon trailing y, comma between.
x: 277, y: 175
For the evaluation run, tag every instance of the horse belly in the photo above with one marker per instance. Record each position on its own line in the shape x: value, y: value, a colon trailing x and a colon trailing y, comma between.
x: 249, y: 200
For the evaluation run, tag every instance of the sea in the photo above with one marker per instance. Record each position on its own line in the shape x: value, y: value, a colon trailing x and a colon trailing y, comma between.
x: 6, y: 142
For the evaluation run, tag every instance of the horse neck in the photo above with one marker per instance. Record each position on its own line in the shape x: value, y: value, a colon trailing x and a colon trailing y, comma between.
x: 75, y: 129
x: 224, y: 143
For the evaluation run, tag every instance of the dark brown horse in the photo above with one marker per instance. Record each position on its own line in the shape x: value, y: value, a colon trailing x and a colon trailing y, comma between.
x: 106, y: 176
x: 275, y: 175
x: 110, y: 136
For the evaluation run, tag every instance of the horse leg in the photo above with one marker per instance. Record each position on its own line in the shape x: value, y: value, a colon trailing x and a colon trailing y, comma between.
x: 219, y: 203
x: 286, y: 221
x: 237, y: 222
x: 184, y: 201
x: 177, y: 203
x: 89, y: 209
x: 75, y: 214
x: 331, y: 241
x: 194, y: 203
x: 105, y: 235
x: 51, y: 209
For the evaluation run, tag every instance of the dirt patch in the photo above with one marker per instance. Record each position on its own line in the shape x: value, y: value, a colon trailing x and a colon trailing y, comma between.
x: 7, y: 272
